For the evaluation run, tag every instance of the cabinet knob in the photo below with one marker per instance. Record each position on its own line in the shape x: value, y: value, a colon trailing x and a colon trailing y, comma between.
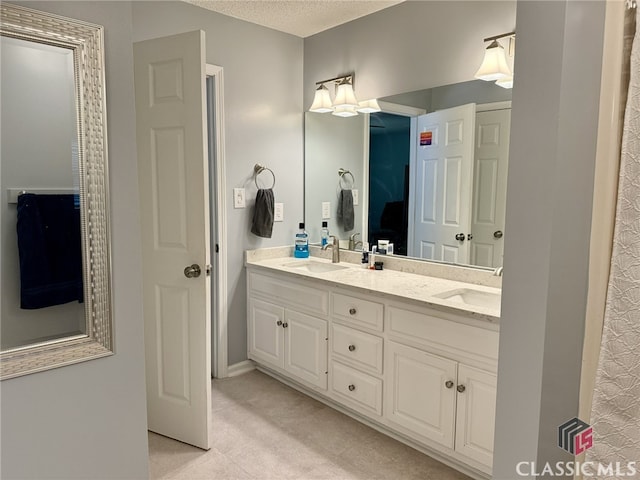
x: 352, y: 387
x: 279, y: 322
x: 352, y: 348
x: 448, y: 384
x: 461, y: 388
x: 285, y: 325
x: 352, y: 311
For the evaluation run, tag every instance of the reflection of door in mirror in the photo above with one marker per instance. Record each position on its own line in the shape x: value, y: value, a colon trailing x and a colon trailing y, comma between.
x: 39, y: 154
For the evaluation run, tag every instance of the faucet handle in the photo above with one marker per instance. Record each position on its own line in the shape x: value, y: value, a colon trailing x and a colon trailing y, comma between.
x: 352, y: 237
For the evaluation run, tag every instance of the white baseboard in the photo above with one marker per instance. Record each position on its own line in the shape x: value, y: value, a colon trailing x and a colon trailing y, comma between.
x: 240, y: 368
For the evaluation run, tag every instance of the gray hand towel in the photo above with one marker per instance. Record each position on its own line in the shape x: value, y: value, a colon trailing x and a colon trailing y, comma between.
x: 263, y: 213
x: 346, y: 215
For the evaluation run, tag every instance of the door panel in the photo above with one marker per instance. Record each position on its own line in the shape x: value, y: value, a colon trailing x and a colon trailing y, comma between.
x: 476, y: 414
x: 416, y: 396
x: 174, y: 207
x: 441, y: 183
x: 265, y: 333
x: 306, y: 348
x: 490, y: 186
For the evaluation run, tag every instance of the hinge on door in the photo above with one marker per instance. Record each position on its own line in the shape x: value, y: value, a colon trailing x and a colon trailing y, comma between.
x: 217, y: 248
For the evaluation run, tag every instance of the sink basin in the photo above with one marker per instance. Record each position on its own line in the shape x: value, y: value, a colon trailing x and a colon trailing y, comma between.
x: 472, y: 297
x: 314, y: 267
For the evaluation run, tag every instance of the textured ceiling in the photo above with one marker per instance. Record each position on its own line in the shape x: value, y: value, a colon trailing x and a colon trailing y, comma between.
x: 302, y: 18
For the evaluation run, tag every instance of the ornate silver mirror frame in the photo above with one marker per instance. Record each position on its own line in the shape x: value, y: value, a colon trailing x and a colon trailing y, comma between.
x: 86, y: 42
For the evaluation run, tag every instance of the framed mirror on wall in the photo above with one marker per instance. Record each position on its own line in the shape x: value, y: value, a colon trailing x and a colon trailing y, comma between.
x: 56, y: 269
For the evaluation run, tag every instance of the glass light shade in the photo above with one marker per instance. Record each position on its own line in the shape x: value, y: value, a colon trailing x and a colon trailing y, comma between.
x: 345, y: 111
x: 321, y: 101
x: 368, y: 106
x: 494, y: 66
x: 345, y: 96
x: 505, y: 82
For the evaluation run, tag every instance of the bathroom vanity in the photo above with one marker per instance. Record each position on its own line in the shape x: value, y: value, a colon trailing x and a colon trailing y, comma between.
x: 412, y: 355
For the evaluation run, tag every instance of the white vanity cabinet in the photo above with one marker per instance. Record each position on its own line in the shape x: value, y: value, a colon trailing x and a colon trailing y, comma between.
x: 441, y: 382
x: 284, y: 338
x: 424, y: 375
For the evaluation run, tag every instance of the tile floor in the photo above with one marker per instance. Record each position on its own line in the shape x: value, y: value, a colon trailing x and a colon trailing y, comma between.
x: 265, y: 430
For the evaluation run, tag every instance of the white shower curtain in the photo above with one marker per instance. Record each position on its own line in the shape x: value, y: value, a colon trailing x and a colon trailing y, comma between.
x: 616, y: 404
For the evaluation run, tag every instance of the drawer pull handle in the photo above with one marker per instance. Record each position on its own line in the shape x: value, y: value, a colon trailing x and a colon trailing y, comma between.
x: 352, y: 311
x: 352, y: 387
x: 285, y: 325
x: 279, y: 322
x: 461, y: 388
x: 448, y: 384
x: 352, y: 348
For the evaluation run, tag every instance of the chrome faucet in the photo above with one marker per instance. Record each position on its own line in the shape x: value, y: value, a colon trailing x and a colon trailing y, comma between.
x: 498, y: 271
x: 352, y: 241
x: 335, y: 249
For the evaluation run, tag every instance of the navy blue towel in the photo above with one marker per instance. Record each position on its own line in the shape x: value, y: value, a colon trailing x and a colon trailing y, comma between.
x: 50, y: 250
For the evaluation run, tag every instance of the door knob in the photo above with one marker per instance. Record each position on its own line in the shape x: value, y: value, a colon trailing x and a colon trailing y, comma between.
x: 497, y: 234
x: 192, y: 271
x: 460, y: 237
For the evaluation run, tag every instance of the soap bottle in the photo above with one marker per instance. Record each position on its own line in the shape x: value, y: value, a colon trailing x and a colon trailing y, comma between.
x: 324, y: 234
x: 301, y: 245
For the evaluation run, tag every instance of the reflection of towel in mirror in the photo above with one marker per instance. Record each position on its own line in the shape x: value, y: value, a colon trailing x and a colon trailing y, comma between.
x: 263, y: 213
x: 50, y: 250
x: 346, y: 215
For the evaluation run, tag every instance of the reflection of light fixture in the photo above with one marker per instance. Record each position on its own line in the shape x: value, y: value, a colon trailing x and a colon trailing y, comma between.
x: 345, y: 103
x: 494, y: 66
x: 505, y: 82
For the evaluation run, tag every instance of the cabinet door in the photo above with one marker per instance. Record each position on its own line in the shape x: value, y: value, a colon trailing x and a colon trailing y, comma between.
x: 306, y: 348
x: 420, y: 394
x: 265, y: 334
x: 476, y: 413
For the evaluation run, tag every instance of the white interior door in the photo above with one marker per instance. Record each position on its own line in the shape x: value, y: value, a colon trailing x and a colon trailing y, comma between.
x: 441, y: 185
x: 174, y: 207
x: 490, y: 187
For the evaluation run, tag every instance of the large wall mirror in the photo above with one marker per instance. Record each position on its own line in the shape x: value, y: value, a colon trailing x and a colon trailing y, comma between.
x: 429, y: 172
x: 56, y: 270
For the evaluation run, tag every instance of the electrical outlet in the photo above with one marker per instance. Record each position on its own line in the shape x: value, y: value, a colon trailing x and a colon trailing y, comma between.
x: 278, y: 212
x: 238, y: 198
x: 326, y: 210
x: 354, y: 192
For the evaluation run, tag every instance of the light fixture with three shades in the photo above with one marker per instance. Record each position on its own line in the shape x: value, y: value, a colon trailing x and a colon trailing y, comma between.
x: 345, y: 103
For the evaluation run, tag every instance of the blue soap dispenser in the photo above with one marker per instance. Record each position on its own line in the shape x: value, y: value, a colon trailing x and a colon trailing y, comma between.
x: 301, y: 245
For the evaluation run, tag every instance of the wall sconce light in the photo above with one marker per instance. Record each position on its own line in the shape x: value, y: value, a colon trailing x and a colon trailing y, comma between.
x: 495, y: 67
x: 345, y: 103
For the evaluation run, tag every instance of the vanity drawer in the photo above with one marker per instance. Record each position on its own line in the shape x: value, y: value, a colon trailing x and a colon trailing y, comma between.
x: 363, y: 349
x: 358, y: 390
x: 358, y: 311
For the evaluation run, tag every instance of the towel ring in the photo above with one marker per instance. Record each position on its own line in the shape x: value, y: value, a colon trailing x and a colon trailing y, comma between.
x: 258, y: 169
x: 342, y: 172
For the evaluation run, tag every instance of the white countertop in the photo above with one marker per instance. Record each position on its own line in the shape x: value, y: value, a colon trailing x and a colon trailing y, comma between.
x: 401, y: 285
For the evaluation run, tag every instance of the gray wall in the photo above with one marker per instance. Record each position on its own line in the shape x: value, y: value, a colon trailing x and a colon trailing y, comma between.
x: 549, y: 199
x: 410, y: 46
x: 89, y: 420
x: 38, y: 130
x: 263, y: 124
x: 550, y: 185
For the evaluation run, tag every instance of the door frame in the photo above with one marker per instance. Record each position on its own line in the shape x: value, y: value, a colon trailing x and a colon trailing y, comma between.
x: 219, y: 219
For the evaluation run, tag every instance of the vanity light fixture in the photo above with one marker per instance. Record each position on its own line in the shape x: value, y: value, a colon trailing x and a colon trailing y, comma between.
x: 345, y: 104
x: 494, y: 66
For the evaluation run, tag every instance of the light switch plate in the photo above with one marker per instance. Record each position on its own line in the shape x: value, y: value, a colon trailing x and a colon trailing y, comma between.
x: 238, y: 198
x: 356, y: 199
x: 278, y: 212
x: 326, y: 210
